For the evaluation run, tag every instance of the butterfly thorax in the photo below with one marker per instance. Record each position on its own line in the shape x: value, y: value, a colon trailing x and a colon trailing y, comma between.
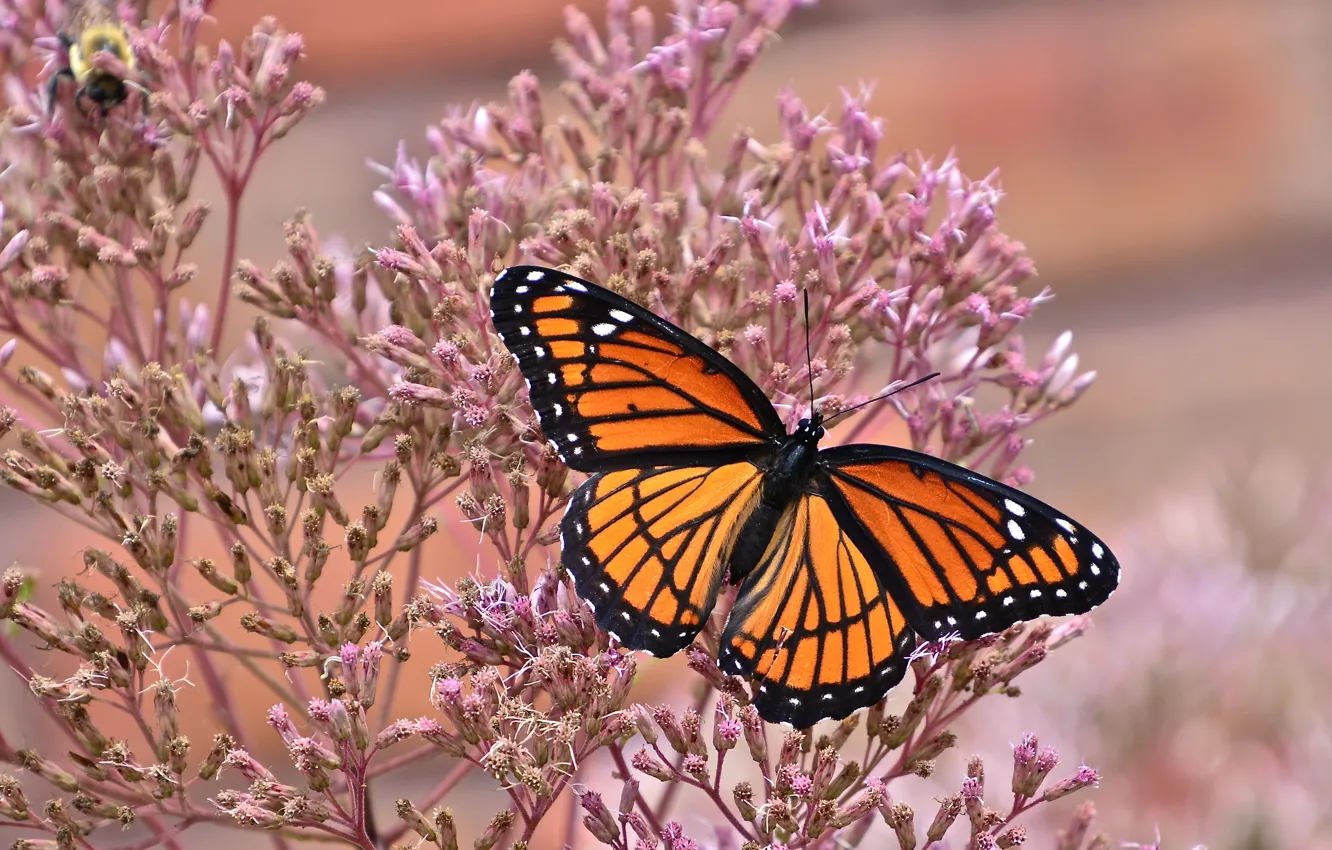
x: 793, y: 463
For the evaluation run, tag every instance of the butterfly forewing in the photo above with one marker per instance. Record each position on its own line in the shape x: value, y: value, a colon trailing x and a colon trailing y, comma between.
x: 648, y: 548
x: 813, y: 625
x: 617, y: 387
x: 963, y: 554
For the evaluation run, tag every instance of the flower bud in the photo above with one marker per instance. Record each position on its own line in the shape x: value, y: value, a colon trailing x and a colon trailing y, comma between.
x: 222, y: 745
x: 755, y: 737
x: 599, y: 820
x: 447, y: 833
x: 670, y: 727
x: 643, y: 721
x: 743, y: 794
x: 499, y: 826
x: 415, y: 820
x: 418, y: 533
x: 208, y: 570
x: 949, y: 809
x: 1084, y: 777
x: 901, y: 818
x: 645, y: 762
x: 259, y: 625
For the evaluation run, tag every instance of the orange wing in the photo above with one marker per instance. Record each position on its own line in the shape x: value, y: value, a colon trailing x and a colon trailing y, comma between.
x: 814, y: 625
x: 648, y: 548
x: 616, y: 386
x: 961, y: 553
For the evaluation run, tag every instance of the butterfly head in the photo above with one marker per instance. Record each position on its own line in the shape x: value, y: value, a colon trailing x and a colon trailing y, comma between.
x: 810, y: 430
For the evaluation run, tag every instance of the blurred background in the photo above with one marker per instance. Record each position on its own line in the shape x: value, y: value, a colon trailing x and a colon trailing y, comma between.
x: 1169, y: 166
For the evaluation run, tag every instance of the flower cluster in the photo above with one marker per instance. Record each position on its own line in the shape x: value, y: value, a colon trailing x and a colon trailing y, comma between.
x: 815, y: 788
x: 127, y: 420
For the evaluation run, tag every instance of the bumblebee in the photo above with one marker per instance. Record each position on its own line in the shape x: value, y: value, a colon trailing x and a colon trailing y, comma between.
x: 104, y: 89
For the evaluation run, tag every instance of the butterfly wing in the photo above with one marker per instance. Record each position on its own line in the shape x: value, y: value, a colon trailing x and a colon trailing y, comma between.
x: 960, y: 552
x: 813, y: 624
x: 618, y: 387
x: 648, y: 548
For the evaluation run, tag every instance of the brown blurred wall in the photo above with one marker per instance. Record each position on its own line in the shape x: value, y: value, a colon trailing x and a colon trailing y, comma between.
x: 1128, y: 133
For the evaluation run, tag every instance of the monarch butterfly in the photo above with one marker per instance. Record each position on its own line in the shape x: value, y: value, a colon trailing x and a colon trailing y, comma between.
x: 843, y: 555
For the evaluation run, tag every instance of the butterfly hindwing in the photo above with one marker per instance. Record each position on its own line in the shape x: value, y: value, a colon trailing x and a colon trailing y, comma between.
x: 615, y: 386
x: 813, y: 624
x: 648, y: 548
x: 963, y: 554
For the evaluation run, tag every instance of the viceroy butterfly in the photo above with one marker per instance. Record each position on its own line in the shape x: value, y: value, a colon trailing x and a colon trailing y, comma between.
x: 843, y: 555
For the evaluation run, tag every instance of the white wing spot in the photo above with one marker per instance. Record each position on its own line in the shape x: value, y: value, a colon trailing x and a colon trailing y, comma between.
x: 559, y: 409
x: 1015, y: 531
x: 763, y: 689
x: 859, y: 689
x: 980, y: 615
x: 655, y: 633
x: 517, y: 308
x: 1036, y: 593
x: 938, y: 624
x: 605, y: 588
x: 1014, y: 508
x: 1073, y: 540
x: 559, y: 289
x: 1066, y: 525
x: 550, y: 378
x: 540, y: 350
x: 1095, y: 569
x: 627, y: 616
x: 578, y: 527
x: 827, y: 697
x: 620, y: 316
x: 590, y: 605
x: 793, y: 701
x: 684, y: 634
x: 578, y: 452
x: 603, y: 329
x: 1082, y: 585
x: 587, y: 562
x: 525, y: 330
x: 520, y: 290
x: 952, y: 622
x: 1097, y: 551
x: 571, y: 437
x: 535, y: 275
x: 575, y: 286
x: 1008, y: 600
x: 1061, y: 593
x: 614, y: 635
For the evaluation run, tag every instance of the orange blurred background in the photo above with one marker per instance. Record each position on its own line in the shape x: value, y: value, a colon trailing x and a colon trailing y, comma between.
x: 1169, y: 166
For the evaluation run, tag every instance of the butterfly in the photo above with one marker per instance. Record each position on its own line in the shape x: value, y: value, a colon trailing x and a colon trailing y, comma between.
x: 844, y: 556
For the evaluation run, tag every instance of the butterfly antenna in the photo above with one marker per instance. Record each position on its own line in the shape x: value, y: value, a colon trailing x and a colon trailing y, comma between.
x: 809, y: 357
x: 891, y: 392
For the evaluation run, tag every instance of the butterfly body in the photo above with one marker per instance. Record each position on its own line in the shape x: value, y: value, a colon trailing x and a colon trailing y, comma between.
x: 843, y: 555
x: 788, y: 469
